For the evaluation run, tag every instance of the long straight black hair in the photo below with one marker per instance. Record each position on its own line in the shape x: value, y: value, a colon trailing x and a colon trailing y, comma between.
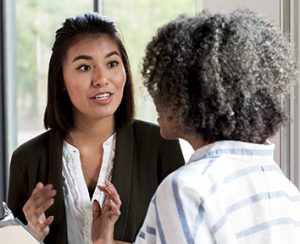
x: 59, y: 113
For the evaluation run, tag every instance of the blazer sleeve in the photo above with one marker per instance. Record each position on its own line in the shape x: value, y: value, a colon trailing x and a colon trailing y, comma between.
x: 17, y: 191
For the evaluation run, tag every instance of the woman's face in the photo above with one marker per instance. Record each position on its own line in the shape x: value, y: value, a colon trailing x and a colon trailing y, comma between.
x: 94, y: 77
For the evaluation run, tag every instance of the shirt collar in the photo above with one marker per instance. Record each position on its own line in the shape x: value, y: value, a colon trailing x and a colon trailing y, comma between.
x: 234, y: 148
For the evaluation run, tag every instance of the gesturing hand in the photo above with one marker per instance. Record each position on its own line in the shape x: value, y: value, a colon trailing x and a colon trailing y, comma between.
x: 42, y: 197
x: 105, y: 219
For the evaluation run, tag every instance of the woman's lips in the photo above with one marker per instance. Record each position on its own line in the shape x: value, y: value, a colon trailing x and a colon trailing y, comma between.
x: 103, y: 98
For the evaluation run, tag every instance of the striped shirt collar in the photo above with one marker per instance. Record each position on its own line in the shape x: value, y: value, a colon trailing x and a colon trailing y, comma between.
x: 235, y: 148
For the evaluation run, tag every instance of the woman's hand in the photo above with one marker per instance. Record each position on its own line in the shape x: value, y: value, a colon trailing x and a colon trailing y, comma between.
x: 42, y: 197
x: 105, y: 219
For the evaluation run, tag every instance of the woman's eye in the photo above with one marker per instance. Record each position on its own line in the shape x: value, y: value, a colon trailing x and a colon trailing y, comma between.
x: 84, y: 67
x: 112, y: 64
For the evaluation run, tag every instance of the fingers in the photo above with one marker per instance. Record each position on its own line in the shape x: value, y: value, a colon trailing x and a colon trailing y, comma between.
x: 114, y: 208
x: 42, y: 197
x: 105, y: 219
x: 111, y: 192
x: 44, y: 224
x: 41, y: 230
x: 112, y: 202
x: 37, y: 188
x: 96, y: 210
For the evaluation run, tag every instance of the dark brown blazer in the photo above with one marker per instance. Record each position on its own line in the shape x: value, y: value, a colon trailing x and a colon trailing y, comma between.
x: 142, y: 160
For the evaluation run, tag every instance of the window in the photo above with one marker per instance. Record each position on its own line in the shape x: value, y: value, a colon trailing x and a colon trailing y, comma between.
x: 29, y: 29
x: 34, y: 38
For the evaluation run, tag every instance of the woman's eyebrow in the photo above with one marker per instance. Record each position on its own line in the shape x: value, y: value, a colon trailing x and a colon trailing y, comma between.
x: 112, y: 53
x: 86, y: 57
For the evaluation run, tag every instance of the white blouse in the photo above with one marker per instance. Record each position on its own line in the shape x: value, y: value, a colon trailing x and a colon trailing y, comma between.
x: 77, y: 200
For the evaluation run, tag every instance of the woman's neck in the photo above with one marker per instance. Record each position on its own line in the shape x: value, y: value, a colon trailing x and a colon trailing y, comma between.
x: 91, y: 132
x: 196, y: 141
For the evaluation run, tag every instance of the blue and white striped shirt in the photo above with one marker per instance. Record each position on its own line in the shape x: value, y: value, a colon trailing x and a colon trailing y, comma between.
x: 229, y: 192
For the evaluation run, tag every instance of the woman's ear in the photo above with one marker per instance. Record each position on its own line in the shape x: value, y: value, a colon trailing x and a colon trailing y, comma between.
x: 170, y: 117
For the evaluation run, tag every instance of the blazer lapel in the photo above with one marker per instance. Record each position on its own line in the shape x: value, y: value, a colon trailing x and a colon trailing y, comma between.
x: 122, y: 173
x: 55, y: 173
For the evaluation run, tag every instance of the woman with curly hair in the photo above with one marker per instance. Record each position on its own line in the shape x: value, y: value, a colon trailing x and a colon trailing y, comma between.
x: 218, y: 81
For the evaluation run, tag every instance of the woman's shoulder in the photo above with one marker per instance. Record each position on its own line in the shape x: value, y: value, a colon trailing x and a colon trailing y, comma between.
x: 145, y: 126
x: 148, y: 132
x: 35, y: 143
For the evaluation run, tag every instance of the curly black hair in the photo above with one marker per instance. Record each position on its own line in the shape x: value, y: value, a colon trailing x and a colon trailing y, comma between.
x: 222, y: 75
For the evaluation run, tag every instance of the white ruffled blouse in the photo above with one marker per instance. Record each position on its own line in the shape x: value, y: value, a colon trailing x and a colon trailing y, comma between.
x: 77, y: 200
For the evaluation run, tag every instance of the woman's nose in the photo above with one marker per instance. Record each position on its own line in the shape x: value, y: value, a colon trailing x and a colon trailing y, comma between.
x: 99, y: 79
x: 99, y: 83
